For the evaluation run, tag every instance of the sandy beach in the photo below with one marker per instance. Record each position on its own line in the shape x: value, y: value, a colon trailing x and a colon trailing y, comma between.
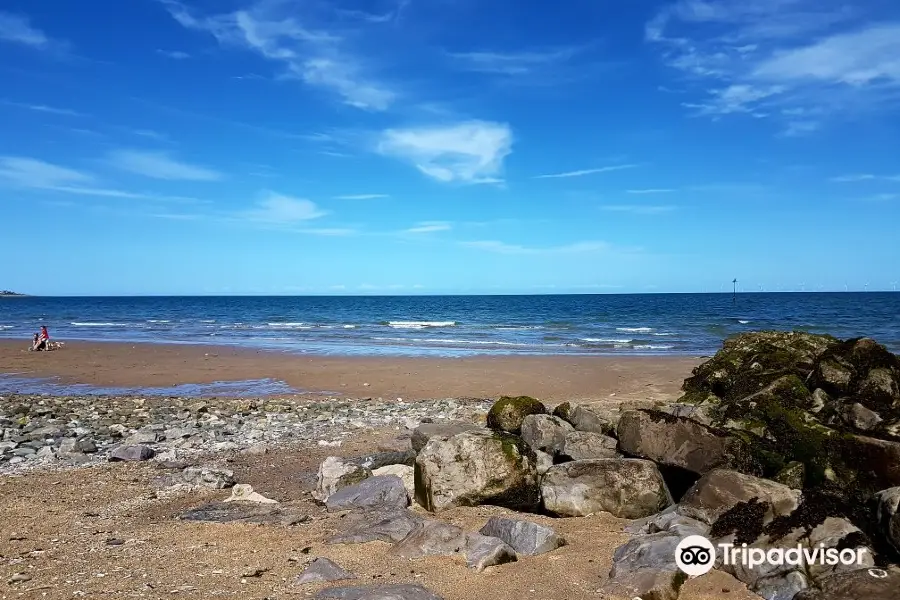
x: 550, y: 378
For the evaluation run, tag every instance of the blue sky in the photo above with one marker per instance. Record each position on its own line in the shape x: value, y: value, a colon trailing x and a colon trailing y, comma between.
x: 435, y: 146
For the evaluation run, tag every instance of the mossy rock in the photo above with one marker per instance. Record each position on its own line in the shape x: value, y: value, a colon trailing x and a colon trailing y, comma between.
x: 792, y: 475
x: 563, y: 411
x: 508, y: 412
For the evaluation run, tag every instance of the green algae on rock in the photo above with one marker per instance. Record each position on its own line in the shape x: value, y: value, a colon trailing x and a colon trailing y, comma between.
x: 508, y: 412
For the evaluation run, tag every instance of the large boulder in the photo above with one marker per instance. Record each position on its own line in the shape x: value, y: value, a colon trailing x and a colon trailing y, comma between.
x: 436, y: 538
x: 887, y: 516
x: 383, y: 492
x: 721, y: 490
x: 336, y: 473
x: 524, y: 537
x: 508, y: 413
x: 679, y: 442
x: 584, y: 445
x: 545, y: 433
x: 626, y: 488
x: 477, y: 467
x: 592, y: 418
x: 870, y: 584
x: 425, y: 431
x: 644, y: 567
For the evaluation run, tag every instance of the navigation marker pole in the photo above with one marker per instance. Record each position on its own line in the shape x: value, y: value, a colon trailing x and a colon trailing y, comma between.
x: 734, y: 292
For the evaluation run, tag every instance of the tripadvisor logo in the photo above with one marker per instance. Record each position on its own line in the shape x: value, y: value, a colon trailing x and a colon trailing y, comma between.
x: 695, y: 555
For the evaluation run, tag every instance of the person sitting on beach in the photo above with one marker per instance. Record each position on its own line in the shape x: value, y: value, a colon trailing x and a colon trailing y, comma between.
x: 43, y: 339
x: 35, y: 342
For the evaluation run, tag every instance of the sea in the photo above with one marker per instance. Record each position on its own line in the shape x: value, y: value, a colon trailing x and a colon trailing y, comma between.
x: 607, y: 324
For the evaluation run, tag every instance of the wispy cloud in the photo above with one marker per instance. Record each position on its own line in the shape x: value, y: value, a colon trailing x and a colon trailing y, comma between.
x: 43, y: 108
x: 279, y: 209
x: 361, y: 197
x: 150, y: 134
x: 864, y: 177
x: 512, y: 63
x: 33, y: 174
x: 159, y: 165
x: 638, y: 209
x: 173, y: 54
x: 505, y: 248
x: 332, y: 231
x: 770, y: 59
x: 583, y: 172
x: 317, y: 57
x: 17, y: 29
x: 467, y: 152
x: 430, y: 227
x: 651, y: 191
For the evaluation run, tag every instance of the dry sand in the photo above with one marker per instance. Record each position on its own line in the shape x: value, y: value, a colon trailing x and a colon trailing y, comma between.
x: 550, y: 378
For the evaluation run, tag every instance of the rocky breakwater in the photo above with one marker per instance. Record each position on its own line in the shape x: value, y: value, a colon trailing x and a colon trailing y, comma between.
x: 62, y: 431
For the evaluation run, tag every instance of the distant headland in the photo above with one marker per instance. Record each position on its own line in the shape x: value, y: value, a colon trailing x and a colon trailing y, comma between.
x: 8, y: 294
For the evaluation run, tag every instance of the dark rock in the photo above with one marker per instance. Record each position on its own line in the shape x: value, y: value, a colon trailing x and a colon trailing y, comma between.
x: 626, y: 488
x: 524, y: 537
x: 887, y: 516
x: 478, y: 467
x: 792, y: 475
x: 721, y: 490
x: 871, y: 584
x: 403, y: 591
x: 322, y: 570
x: 229, y: 512
x: 131, y: 453
x: 378, y: 492
x: 508, y: 413
x: 383, y: 459
x: 859, y: 417
x: 376, y: 525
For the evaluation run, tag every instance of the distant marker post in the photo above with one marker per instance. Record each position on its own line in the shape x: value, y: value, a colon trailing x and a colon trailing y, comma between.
x: 734, y: 291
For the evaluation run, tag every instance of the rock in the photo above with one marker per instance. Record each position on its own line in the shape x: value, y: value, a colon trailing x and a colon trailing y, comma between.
x: 403, y: 591
x: 384, y: 459
x: 792, y: 475
x: 485, y: 551
x: 19, y: 578
x: 435, y: 538
x: 543, y: 462
x: 859, y: 417
x: 644, y: 567
x: 131, y: 453
x: 141, y: 438
x: 336, y: 473
x: 404, y: 472
x: 626, y: 488
x: 585, y: 445
x: 322, y: 570
x: 721, y: 490
x: 210, y: 477
x: 478, y: 467
x: 87, y: 446
x: 244, y: 512
x: 887, y: 515
x: 424, y: 432
x: 678, y: 442
x: 524, y: 537
x: 244, y: 493
x: 594, y: 419
x: 381, y: 492
x: 544, y: 433
x: 563, y: 411
x: 66, y: 446
x: 701, y: 413
x: 508, y: 413
x: 871, y: 584
x: 390, y: 526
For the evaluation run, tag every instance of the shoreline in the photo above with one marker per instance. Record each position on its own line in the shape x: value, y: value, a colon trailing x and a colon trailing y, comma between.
x: 551, y: 378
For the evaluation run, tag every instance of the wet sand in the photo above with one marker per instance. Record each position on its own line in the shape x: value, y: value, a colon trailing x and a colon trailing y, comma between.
x: 550, y: 378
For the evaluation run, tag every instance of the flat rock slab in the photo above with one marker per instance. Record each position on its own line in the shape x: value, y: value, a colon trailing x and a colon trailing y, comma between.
x: 524, y: 537
x: 321, y: 570
x: 387, y: 457
x: 436, y: 538
x: 584, y: 445
x: 389, y: 526
x: 403, y: 591
x: 240, y: 512
x: 720, y: 490
x: 378, y: 492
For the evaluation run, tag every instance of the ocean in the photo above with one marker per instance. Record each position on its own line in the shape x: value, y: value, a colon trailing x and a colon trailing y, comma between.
x: 639, y: 324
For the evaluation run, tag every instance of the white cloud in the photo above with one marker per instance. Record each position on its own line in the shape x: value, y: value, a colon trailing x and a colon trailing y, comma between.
x: 467, y: 152
x: 430, y: 227
x: 638, y: 209
x: 777, y: 58
x: 317, y: 57
x: 173, y: 54
x: 277, y: 208
x: 584, y: 172
x: 361, y: 197
x: 17, y: 29
x: 651, y: 191
x: 53, y: 110
x: 159, y: 165
x: 864, y: 177
x: 504, y: 248
x: 512, y: 63
x: 331, y: 231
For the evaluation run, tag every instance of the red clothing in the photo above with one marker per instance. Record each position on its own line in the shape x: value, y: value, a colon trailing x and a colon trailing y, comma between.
x: 44, y: 335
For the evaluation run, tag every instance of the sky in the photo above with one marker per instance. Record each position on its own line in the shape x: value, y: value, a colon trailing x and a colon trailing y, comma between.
x: 448, y: 146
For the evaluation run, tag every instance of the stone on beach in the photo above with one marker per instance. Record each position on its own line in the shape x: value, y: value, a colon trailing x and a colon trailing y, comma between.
x: 405, y: 472
x: 377, y: 492
x: 336, y: 473
x: 584, y: 445
x: 245, y: 512
x: 131, y: 453
x: 624, y: 487
x: 524, y: 537
x: 402, y: 591
x: 435, y: 538
x: 243, y: 492
x: 323, y: 570
x: 544, y: 433
x: 385, y: 525
x: 887, y: 515
x: 720, y: 490
x: 425, y: 431
x: 478, y: 467
x: 508, y: 413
